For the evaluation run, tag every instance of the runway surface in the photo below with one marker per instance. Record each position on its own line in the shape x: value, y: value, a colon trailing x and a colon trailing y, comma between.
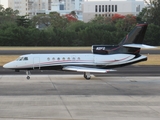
x: 70, y: 97
x: 132, y: 70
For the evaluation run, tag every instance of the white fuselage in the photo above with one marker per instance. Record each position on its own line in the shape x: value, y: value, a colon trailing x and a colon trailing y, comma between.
x: 46, y: 60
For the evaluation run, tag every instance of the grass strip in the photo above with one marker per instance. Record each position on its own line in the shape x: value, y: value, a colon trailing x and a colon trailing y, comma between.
x: 45, y: 48
x: 52, y: 48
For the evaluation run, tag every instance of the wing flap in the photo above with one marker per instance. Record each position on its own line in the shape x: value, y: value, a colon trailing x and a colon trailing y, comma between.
x: 85, y: 69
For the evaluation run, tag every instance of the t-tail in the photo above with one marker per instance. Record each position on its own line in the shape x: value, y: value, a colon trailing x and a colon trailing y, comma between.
x: 131, y: 44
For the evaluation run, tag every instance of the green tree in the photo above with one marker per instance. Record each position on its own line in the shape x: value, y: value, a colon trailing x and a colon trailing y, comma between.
x: 152, y: 36
x: 142, y: 15
x: 7, y: 15
x: 58, y: 21
x: 23, y: 21
x: 41, y: 19
x: 101, y: 20
x: 152, y: 12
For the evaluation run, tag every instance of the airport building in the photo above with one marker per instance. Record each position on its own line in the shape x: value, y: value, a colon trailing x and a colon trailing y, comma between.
x: 109, y: 8
x: 34, y: 7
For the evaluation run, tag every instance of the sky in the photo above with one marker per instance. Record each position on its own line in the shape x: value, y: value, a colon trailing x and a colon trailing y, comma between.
x: 4, y: 3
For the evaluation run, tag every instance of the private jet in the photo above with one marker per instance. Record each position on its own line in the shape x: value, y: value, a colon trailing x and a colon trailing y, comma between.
x: 102, y: 59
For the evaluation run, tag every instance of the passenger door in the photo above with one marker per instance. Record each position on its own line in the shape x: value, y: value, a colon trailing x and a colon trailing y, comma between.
x: 36, y: 63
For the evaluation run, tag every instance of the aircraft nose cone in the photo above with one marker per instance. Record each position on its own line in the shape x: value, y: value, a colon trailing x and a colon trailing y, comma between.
x: 9, y: 65
x: 6, y: 66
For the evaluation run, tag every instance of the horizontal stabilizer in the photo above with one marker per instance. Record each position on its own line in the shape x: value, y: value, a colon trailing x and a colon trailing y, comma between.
x: 86, y: 69
x: 139, y: 46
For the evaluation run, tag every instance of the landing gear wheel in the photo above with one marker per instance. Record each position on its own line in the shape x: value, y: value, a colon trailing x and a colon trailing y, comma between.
x: 28, y: 77
x: 87, y: 76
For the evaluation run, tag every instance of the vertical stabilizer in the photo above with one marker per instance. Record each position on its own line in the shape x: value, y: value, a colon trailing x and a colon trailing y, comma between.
x: 135, y: 37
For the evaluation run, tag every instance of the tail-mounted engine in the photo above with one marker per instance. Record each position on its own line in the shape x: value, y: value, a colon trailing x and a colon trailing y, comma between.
x: 102, y: 49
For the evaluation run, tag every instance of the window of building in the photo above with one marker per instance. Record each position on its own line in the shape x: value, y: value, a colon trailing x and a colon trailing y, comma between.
x: 115, y: 8
x: 96, y: 8
x: 49, y: 4
x: 61, y: 7
x: 112, y: 8
x: 138, y: 8
x: 102, y: 8
x: 109, y: 8
x: 105, y: 8
x: 99, y: 8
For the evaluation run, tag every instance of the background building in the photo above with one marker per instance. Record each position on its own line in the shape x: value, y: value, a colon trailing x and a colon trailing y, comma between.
x: 34, y: 7
x: 109, y: 8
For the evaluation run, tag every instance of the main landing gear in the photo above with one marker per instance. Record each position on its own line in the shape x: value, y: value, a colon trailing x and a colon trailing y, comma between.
x: 87, y: 75
x: 28, y: 73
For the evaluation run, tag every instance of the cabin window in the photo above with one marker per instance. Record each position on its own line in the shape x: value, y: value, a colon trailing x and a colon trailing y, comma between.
x: 53, y: 58
x: 63, y: 58
x: 78, y: 58
x: 48, y: 59
x: 68, y: 58
x: 73, y: 58
x: 58, y: 58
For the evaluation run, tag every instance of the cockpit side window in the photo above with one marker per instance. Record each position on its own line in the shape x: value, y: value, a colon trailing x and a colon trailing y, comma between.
x: 21, y: 59
x: 17, y: 59
x: 25, y: 58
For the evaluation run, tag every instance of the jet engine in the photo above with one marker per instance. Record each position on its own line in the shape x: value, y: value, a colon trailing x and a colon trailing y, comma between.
x: 102, y: 49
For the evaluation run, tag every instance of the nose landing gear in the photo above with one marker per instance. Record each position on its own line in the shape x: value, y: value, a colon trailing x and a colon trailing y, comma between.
x: 87, y: 75
x: 28, y: 73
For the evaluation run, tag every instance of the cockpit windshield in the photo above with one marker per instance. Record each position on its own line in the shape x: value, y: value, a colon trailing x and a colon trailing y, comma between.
x: 22, y: 59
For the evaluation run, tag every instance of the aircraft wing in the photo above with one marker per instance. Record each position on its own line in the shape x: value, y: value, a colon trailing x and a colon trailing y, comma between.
x: 86, y: 69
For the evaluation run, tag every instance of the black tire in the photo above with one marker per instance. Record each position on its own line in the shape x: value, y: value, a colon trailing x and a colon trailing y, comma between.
x: 28, y: 77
